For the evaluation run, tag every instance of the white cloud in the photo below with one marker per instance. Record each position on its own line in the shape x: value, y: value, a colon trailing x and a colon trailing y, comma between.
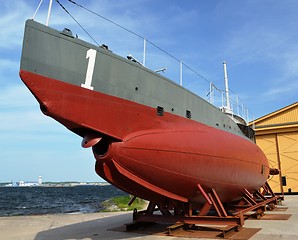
x: 20, y: 116
x: 16, y: 96
x: 285, y: 80
x: 8, y: 64
x: 12, y: 18
x: 32, y: 144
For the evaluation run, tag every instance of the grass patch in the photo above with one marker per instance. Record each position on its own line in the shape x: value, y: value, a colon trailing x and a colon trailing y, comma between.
x: 121, y: 204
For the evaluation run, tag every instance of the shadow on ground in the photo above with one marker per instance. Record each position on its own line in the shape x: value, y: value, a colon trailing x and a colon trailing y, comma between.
x: 95, y: 229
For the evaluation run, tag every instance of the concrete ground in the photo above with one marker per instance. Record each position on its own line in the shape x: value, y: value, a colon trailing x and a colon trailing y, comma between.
x: 98, y: 226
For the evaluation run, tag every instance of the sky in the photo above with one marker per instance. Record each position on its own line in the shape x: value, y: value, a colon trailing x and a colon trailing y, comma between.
x: 257, y: 39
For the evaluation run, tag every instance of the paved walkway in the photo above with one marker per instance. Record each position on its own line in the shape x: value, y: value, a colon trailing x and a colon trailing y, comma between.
x: 96, y: 226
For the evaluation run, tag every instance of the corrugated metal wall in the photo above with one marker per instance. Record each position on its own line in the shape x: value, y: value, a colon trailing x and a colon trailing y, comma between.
x: 282, y: 147
x: 288, y: 151
x: 287, y: 116
x: 277, y: 136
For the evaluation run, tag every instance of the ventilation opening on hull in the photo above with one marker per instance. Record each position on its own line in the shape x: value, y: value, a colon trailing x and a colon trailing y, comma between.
x: 160, y: 111
x: 102, y: 147
x: 188, y: 114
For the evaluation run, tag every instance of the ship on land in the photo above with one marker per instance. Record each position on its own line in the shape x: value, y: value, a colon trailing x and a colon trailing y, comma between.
x: 150, y: 137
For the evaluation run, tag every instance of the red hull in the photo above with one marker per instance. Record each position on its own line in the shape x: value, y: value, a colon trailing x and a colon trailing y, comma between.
x: 151, y: 156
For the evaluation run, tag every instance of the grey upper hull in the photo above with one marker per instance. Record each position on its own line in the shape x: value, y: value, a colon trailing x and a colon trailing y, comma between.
x: 50, y: 53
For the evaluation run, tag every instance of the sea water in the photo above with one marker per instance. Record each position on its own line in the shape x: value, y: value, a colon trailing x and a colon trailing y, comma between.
x: 16, y: 201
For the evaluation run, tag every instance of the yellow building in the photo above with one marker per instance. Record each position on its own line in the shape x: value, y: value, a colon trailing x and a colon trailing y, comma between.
x: 277, y: 136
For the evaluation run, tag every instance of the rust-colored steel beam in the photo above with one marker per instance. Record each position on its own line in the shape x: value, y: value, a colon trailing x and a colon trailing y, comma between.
x: 218, y: 203
x: 213, y: 220
x: 260, y: 196
x: 207, y: 206
x: 249, y: 197
x: 257, y: 206
x: 183, y: 214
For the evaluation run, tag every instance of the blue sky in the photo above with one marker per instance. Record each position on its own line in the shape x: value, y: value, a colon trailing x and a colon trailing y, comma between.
x: 257, y: 38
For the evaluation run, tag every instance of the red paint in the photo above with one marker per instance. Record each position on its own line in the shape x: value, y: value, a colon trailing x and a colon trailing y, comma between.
x: 150, y: 156
x: 90, y: 140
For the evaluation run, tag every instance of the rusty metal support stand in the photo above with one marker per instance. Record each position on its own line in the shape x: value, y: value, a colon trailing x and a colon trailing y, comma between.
x: 207, y: 206
x: 189, y: 218
x: 185, y: 216
x: 221, y: 212
x: 257, y: 202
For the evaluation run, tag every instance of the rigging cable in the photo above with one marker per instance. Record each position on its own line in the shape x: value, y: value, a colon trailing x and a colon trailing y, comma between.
x: 77, y: 22
x: 137, y: 35
x: 124, y: 28
x: 37, y: 9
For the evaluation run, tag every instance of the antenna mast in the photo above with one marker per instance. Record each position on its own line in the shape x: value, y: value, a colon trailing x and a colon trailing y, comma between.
x: 228, y: 105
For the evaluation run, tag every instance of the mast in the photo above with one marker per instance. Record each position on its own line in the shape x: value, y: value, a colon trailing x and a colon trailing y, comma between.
x: 49, y: 12
x: 228, y: 105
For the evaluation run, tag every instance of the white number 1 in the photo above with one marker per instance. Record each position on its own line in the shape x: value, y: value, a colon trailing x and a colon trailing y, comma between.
x: 91, y: 54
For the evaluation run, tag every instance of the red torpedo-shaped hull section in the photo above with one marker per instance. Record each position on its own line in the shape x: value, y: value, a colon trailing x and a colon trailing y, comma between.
x: 176, y: 161
x: 155, y: 157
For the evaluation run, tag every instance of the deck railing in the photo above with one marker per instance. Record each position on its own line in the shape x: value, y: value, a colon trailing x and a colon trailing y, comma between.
x: 171, y: 67
x: 214, y: 95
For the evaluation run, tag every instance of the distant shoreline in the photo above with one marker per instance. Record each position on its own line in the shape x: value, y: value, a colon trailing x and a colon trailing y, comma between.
x: 56, y: 199
x: 58, y: 184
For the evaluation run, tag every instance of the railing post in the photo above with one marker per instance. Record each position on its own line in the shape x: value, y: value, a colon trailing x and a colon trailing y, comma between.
x: 181, y: 65
x: 144, y: 52
x: 211, y: 93
x: 237, y: 99
x: 222, y: 99
x: 210, y: 89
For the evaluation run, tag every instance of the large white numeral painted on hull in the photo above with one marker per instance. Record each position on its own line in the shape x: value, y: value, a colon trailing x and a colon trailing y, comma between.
x: 91, y: 54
